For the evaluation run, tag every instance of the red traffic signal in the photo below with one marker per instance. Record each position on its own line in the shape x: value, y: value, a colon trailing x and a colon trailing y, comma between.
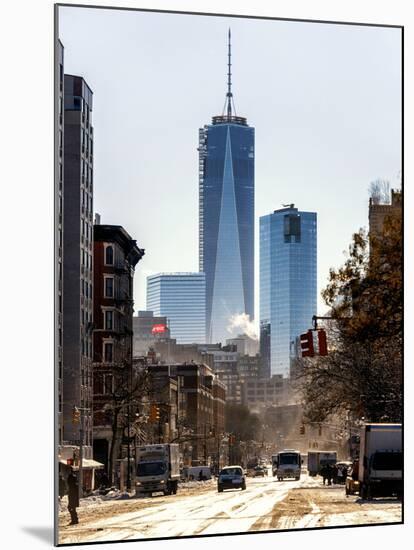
x: 306, y: 344
x: 313, y: 342
x: 322, y: 345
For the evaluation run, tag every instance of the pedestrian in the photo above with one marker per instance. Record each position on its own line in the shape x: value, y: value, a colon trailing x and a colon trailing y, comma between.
x: 335, y: 471
x: 329, y: 473
x: 200, y: 476
x: 73, y: 497
x: 324, y: 473
x: 104, y: 480
x: 62, y: 486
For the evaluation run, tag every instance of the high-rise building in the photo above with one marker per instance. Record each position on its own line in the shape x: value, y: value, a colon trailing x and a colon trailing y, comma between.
x: 77, y: 270
x: 226, y: 216
x: 181, y: 298
x: 288, y: 283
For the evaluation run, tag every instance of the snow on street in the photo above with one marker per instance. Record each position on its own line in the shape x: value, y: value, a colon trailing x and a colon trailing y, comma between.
x: 197, y: 509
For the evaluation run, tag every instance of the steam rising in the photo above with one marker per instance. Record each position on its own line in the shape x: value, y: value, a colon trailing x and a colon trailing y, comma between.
x: 240, y: 323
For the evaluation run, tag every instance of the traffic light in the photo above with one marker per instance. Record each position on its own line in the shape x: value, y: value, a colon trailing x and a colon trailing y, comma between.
x: 302, y: 429
x: 313, y: 342
x: 154, y: 413
x: 322, y: 345
x: 76, y: 415
x: 306, y: 344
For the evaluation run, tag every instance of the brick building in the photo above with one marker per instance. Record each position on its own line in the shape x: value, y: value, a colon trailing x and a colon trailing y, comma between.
x: 199, y: 406
x: 115, y: 256
x: 378, y: 212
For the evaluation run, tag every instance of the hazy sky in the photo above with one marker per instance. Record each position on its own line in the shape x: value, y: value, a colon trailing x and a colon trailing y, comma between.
x: 325, y: 102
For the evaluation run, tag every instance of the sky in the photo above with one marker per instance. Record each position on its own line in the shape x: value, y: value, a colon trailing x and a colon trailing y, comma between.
x: 325, y: 102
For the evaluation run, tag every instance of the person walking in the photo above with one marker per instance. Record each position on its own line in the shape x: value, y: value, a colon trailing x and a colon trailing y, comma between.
x: 335, y: 472
x: 324, y: 473
x: 329, y: 473
x: 73, y: 497
x: 62, y: 486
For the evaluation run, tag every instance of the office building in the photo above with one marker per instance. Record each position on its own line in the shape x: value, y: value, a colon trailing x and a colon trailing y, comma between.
x: 77, y: 265
x: 245, y: 344
x: 226, y: 217
x: 148, y: 330
x: 288, y: 283
x: 181, y: 298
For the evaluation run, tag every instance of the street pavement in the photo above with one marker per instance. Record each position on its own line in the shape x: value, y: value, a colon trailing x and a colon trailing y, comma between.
x: 199, y: 509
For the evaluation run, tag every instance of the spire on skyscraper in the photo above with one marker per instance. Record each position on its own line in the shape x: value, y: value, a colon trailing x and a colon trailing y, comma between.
x: 229, y: 94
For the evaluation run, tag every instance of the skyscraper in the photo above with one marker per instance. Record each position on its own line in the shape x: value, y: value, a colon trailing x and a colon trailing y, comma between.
x: 77, y: 266
x: 226, y: 216
x: 287, y: 283
x: 181, y: 298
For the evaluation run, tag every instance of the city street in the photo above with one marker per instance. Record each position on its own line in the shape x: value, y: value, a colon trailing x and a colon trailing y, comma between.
x: 266, y: 504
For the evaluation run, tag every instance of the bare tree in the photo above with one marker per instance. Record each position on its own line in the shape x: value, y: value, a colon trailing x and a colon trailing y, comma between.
x: 379, y: 191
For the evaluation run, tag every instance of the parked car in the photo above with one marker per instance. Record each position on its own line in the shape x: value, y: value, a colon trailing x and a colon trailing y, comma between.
x: 231, y: 477
x: 259, y: 471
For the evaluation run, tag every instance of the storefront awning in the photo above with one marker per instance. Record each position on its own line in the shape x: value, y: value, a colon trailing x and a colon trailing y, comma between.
x: 87, y: 463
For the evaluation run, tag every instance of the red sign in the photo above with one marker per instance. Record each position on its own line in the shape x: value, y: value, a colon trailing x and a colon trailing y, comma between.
x: 157, y: 329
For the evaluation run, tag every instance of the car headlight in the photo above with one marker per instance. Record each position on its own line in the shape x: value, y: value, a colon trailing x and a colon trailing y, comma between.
x: 138, y: 483
x: 162, y: 481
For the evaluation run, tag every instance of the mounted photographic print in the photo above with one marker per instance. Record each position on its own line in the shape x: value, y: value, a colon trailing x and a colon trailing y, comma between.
x: 228, y: 266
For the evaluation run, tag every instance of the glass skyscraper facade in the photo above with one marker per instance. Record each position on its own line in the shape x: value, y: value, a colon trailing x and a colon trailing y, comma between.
x: 288, y: 282
x: 226, y: 218
x: 181, y: 298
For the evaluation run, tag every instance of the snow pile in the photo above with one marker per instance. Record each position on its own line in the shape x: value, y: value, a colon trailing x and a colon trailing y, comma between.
x: 194, y: 484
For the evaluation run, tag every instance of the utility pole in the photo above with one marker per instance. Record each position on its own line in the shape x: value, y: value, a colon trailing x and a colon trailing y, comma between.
x: 128, y: 483
x: 81, y: 433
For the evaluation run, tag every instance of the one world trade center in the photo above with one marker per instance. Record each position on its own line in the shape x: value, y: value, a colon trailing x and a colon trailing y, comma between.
x: 226, y: 217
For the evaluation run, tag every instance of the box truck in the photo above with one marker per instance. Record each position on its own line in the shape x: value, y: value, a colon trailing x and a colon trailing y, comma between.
x: 380, y: 460
x: 158, y: 469
x: 287, y: 463
x: 318, y: 459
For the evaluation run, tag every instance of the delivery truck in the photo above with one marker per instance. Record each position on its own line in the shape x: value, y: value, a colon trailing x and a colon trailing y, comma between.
x: 380, y: 460
x: 158, y: 469
x: 287, y: 464
x: 318, y: 459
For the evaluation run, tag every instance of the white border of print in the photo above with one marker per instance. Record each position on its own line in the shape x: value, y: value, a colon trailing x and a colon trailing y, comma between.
x: 27, y: 214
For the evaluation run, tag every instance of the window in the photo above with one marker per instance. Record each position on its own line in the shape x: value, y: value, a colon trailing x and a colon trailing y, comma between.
x: 108, y: 352
x: 109, y: 287
x: 109, y: 255
x: 98, y: 384
x: 292, y: 227
x: 109, y: 317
